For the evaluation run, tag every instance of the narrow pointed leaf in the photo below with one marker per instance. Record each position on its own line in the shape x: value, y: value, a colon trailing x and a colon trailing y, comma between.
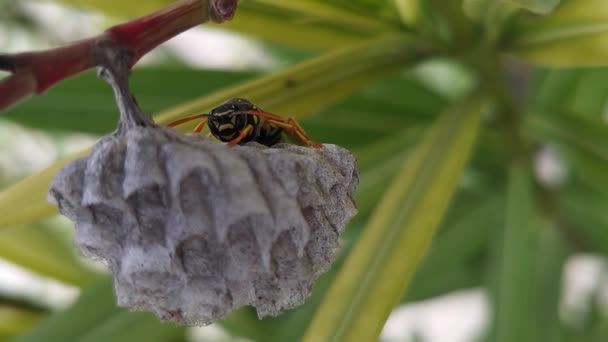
x: 128, y: 326
x: 40, y: 249
x: 552, y: 254
x: 580, y: 91
x: 301, y: 89
x: 94, y: 306
x: 321, y: 12
x: 573, y: 35
x: 514, y: 267
x: 283, y: 29
x: 475, y: 9
x: 583, y: 142
x: 409, y: 10
x: 452, y: 254
x: 25, y: 201
x: 95, y: 317
x: 381, y: 265
x: 479, y: 9
x: 15, y: 321
x: 569, y: 129
x: 537, y: 6
x: 492, y: 15
x: 276, y: 21
x: 585, y: 209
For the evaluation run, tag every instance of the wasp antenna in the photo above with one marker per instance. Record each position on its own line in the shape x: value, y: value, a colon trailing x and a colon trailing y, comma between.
x: 187, y: 119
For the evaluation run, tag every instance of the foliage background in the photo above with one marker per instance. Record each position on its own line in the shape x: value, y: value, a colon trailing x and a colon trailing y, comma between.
x: 480, y: 131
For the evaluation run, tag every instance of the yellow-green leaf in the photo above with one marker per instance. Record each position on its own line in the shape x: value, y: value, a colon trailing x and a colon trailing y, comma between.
x: 303, y: 24
x: 25, y: 201
x: 301, y: 89
x: 574, y: 35
x: 324, y: 13
x: 399, y: 232
x: 409, y: 10
x: 479, y: 9
x: 119, y: 7
x: 553, y: 252
x: 14, y: 321
x: 95, y: 317
x: 39, y: 248
x: 537, y: 6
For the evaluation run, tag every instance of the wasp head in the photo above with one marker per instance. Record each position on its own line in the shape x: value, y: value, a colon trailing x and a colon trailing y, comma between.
x: 232, y: 106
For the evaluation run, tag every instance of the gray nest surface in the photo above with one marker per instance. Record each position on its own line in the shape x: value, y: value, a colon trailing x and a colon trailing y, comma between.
x: 192, y: 229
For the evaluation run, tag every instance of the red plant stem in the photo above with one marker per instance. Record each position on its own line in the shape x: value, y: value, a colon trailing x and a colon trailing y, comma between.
x: 144, y: 34
x: 34, y: 72
x: 15, y: 87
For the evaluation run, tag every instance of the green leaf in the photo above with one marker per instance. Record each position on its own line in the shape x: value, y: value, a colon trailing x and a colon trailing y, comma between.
x: 95, y: 305
x: 486, y: 11
x: 481, y: 10
x: 285, y: 29
x: 583, y: 141
x: 374, y: 114
x: 585, y: 209
x: 15, y: 321
x: 303, y: 24
x: 579, y: 91
x: 569, y: 129
x: 320, y: 12
x: 133, y: 326
x: 118, y: 7
x: 25, y: 201
x: 537, y: 6
x: 554, y: 88
x: 573, y: 35
x: 39, y: 248
x: 379, y: 163
x: 552, y: 255
x: 303, y: 88
x: 409, y: 10
x: 514, y: 268
x: 451, y: 261
x: 399, y: 232
x: 95, y: 317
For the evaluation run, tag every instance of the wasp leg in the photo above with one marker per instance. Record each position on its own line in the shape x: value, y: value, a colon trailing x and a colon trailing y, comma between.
x: 186, y: 119
x: 200, y: 126
x: 241, y: 135
x: 294, y: 131
x: 302, y: 134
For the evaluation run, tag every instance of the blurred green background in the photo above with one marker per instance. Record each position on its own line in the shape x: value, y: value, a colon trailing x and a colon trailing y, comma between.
x: 479, y: 127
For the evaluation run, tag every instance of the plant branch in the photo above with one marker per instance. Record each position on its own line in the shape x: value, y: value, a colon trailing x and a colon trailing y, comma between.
x: 34, y: 72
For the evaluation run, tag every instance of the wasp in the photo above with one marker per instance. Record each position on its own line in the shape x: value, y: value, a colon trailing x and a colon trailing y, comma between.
x: 238, y: 121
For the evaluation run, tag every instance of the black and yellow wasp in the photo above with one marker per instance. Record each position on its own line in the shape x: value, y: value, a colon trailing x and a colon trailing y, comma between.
x: 238, y: 121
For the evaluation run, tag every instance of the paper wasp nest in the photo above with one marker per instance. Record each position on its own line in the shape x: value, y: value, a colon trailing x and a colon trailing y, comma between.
x: 192, y: 229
